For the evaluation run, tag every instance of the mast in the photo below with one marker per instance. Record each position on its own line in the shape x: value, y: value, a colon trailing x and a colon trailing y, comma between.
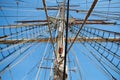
x: 60, y: 52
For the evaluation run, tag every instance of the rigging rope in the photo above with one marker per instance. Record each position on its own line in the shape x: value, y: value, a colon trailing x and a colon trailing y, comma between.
x: 112, y: 51
x: 98, y: 60
x: 1, y: 61
x: 48, y: 56
x: 12, y: 51
x: 37, y: 74
x: 25, y: 56
x: 51, y: 70
x: 111, y: 54
x: 66, y: 40
x: 87, y: 16
x: 113, y: 78
x: 69, y: 64
x: 51, y: 37
x: 11, y: 74
x: 93, y: 61
x: 78, y: 64
x: 26, y: 32
x: 108, y: 9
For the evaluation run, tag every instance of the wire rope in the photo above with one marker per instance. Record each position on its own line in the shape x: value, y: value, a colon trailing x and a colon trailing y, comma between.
x: 66, y: 40
x: 88, y: 14
x: 45, y: 9
x: 37, y: 74
x: 78, y: 64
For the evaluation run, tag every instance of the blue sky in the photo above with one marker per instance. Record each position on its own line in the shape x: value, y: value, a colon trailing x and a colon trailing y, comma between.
x: 30, y: 55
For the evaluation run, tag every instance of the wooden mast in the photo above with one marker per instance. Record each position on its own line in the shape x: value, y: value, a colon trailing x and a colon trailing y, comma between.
x: 59, y: 62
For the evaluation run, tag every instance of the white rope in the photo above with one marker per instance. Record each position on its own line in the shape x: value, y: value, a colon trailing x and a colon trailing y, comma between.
x: 15, y: 45
x: 37, y: 74
x: 77, y: 61
x: 11, y: 74
x: 51, y: 70
x: 11, y: 46
x: 25, y: 56
x: 24, y: 77
x: 13, y: 56
x: 98, y: 67
x: 14, y: 52
x: 42, y: 69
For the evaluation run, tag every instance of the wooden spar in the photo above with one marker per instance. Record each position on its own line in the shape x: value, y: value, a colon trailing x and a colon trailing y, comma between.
x: 76, y: 22
x: 44, y: 23
x: 15, y: 41
x: 30, y: 21
x: 24, y: 25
